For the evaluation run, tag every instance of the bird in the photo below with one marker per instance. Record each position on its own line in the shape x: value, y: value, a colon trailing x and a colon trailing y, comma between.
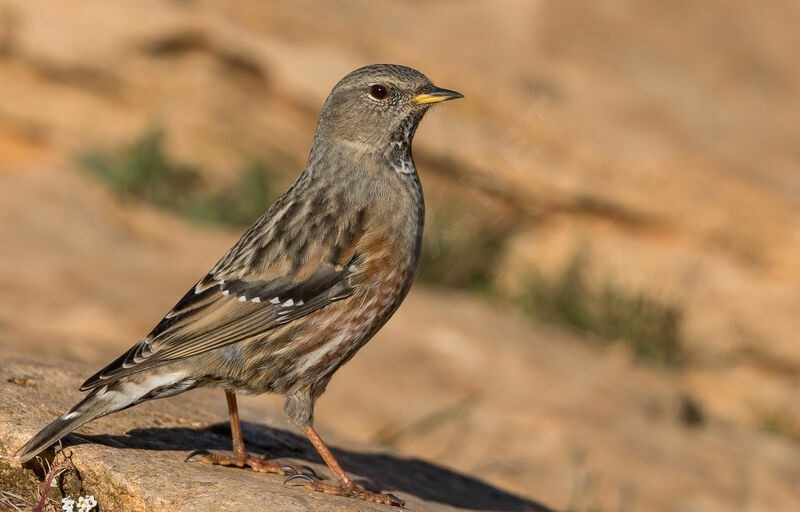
x: 305, y: 287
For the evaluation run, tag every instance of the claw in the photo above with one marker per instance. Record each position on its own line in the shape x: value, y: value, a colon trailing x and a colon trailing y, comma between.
x: 288, y: 470
x: 298, y: 480
x: 299, y: 470
x: 395, y: 501
x: 195, y: 453
x: 307, y: 471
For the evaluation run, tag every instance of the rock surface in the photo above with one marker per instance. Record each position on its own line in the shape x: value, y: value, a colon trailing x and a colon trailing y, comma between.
x: 133, y: 461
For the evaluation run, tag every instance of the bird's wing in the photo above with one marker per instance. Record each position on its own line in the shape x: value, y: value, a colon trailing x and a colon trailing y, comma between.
x: 252, y: 290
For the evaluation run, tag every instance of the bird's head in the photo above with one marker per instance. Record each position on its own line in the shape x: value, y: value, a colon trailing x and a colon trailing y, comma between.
x: 378, y: 108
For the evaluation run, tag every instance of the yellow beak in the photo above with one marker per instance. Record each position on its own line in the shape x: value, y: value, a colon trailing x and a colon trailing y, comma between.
x: 435, y: 95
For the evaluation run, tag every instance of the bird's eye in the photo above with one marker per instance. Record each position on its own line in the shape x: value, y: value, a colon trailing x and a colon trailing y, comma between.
x: 378, y: 91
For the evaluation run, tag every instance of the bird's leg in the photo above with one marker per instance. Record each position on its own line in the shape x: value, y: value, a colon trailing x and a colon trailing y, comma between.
x: 346, y: 487
x: 240, y: 457
x: 237, y: 438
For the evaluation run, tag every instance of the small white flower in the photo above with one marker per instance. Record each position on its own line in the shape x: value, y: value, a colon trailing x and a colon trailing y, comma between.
x: 67, y: 504
x: 86, y: 503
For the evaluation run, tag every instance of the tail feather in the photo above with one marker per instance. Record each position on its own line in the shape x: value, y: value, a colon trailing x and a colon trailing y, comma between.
x: 103, y: 400
x: 98, y: 403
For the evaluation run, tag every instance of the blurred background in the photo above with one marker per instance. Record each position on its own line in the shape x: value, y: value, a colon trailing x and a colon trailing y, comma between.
x: 608, y: 311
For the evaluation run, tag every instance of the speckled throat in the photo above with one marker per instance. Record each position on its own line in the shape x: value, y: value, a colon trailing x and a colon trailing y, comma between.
x: 398, y: 153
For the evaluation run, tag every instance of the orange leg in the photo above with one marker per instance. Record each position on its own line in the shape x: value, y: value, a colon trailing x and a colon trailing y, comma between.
x: 240, y: 457
x: 346, y: 485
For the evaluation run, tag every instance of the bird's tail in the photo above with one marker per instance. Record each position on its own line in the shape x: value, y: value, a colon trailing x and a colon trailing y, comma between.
x: 99, y: 402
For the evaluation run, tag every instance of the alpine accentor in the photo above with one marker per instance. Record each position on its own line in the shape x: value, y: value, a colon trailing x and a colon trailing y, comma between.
x: 305, y: 287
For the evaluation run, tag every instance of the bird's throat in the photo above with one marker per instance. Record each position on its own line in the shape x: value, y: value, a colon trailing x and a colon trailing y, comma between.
x: 398, y: 157
x: 398, y: 152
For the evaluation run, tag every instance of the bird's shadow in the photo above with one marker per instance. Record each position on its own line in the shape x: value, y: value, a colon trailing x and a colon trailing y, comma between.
x: 413, y: 476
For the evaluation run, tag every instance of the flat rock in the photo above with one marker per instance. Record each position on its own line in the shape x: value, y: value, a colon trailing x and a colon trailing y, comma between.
x: 134, y: 460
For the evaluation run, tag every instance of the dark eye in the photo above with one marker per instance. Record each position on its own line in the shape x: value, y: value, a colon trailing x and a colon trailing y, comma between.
x: 378, y: 91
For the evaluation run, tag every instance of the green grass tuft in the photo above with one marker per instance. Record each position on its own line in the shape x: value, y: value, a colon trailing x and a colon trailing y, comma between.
x: 143, y: 171
x: 460, y: 249
x: 649, y: 327
x: 239, y: 205
x: 779, y: 422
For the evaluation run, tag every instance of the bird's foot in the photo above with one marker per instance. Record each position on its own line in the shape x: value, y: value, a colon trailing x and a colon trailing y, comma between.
x: 353, y: 490
x: 259, y: 464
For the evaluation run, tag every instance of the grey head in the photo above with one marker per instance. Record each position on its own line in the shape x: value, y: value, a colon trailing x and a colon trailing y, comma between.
x: 376, y: 110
